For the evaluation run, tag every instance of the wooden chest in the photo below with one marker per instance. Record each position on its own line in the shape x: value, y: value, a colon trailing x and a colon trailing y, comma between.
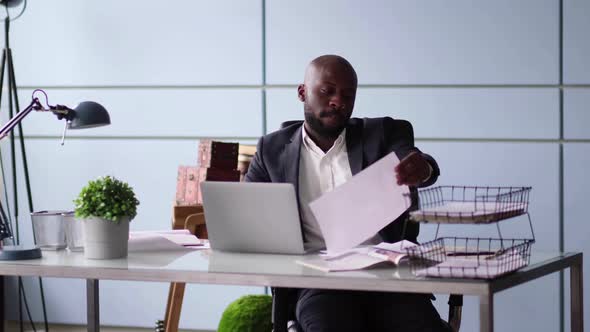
x: 187, y: 185
x: 189, y: 178
x: 218, y: 155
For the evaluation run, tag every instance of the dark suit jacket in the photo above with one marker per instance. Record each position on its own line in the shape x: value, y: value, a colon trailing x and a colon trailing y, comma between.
x: 367, y: 140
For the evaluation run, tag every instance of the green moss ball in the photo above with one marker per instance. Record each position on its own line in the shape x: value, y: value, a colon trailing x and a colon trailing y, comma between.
x: 250, y: 313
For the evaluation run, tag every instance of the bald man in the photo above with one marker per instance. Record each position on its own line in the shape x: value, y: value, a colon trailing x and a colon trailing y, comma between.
x: 325, y: 151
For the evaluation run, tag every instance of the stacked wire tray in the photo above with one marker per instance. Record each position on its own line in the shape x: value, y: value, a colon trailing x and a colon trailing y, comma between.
x: 470, y: 205
x: 477, y: 258
x: 469, y: 257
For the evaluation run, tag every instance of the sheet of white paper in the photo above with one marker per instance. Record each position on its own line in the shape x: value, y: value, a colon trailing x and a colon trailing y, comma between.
x: 356, y: 259
x: 183, y: 239
x: 330, y: 255
x: 182, y: 236
x: 474, y: 208
x: 399, y: 247
x: 358, y: 209
x: 155, y: 242
x: 160, y: 231
x: 458, y: 267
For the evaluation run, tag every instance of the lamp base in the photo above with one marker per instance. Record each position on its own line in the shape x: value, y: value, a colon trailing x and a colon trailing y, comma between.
x: 17, y: 253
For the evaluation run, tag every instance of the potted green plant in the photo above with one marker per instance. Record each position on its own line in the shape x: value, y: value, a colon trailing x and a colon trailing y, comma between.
x: 106, y: 206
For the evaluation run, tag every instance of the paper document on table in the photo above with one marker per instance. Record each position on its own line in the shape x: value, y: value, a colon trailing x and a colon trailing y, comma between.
x: 357, y: 258
x: 159, y: 231
x: 354, y: 259
x: 162, y: 240
x: 399, y: 247
x: 361, y: 207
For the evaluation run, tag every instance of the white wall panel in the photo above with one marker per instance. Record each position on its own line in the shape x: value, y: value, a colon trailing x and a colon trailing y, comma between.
x: 576, y: 191
x: 134, y: 42
x: 417, y: 42
x: 149, y: 166
x: 445, y: 113
x: 154, y: 112
x: 282, y: 105
x: 514, y: 311
x: 576, y: 113
x: 576, y: 45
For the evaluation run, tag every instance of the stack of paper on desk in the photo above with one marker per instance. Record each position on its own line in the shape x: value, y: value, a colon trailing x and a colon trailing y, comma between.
x: 454, y: 266
x: 162, y: 240
x: 358, y: 258
x: 462, y: 268
x: 476, y: 267
x: 345, y: 262
x: 361, y: 207
x: 469, y: 212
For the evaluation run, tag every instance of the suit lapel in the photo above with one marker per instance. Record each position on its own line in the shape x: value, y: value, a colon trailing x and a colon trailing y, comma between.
x: 354, y: 147
x: 290, y: 160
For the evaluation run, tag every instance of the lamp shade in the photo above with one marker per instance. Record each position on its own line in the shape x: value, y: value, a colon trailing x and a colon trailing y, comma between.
x: 10, y: 3
x: 89, y: 114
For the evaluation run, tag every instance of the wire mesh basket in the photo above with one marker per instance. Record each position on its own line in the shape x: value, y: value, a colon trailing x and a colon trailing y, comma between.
x: 466, y: 257
x: 472, y: 205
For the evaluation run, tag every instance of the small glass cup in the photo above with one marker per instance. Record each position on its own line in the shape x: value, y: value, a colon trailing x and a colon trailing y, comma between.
x: 48, y: 228
x: 74, y: 232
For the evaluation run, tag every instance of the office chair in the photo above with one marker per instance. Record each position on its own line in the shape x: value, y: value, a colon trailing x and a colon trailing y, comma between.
x: 285, y: 299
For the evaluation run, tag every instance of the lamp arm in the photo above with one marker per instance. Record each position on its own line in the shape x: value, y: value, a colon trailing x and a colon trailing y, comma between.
x: 7, y: 128
x: 60, y: 111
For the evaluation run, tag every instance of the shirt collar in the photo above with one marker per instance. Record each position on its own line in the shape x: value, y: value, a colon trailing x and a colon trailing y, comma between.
x: 311, y: 146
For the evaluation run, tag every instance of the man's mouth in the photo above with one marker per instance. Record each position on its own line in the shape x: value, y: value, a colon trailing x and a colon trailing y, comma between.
x: 332, y: 119
x: 331, y: 115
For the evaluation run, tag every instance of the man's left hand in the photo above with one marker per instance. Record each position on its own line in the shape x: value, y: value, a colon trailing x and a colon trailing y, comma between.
x: 413, y: 170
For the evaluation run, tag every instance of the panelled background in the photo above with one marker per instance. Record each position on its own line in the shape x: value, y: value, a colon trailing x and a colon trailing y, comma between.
x: 498, y: 92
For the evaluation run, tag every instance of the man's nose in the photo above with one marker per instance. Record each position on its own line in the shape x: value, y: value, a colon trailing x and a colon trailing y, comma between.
x: 336, y: 102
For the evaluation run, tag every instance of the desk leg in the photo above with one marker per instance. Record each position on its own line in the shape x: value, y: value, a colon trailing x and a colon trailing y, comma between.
x: 92, y: 305
x: 486, y: 313
x: 1, y: 303
x: 577, y: 297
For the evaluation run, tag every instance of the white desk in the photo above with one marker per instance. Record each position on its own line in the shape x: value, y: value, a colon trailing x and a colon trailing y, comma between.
x: 208, y: 267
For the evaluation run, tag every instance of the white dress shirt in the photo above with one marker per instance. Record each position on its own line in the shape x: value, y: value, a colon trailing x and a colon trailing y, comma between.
x: 320, y: 172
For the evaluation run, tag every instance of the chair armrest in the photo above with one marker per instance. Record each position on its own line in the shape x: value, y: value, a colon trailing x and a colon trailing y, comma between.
x: 195, y: 223
x: 181, y: 212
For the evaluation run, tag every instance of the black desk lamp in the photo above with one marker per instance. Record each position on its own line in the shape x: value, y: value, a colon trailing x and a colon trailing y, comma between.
x: 87, y: 114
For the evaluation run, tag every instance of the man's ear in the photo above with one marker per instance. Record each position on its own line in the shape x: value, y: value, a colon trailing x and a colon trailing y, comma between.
x: 301, y: 92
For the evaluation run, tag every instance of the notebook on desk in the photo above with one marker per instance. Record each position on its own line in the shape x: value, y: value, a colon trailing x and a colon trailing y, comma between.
x: 252, y: 217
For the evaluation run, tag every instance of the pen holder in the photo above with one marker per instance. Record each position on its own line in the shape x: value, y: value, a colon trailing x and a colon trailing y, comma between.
x: 48, y: 229
x: 74, y: 232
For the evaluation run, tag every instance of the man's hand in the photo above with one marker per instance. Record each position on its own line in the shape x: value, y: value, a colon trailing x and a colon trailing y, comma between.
x: 413, y: 170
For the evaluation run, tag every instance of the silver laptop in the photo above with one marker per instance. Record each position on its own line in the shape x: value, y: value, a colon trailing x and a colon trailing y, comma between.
x: 252, y: 217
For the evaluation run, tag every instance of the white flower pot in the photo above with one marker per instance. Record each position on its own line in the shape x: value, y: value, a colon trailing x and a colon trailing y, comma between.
x: 105, y: 239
